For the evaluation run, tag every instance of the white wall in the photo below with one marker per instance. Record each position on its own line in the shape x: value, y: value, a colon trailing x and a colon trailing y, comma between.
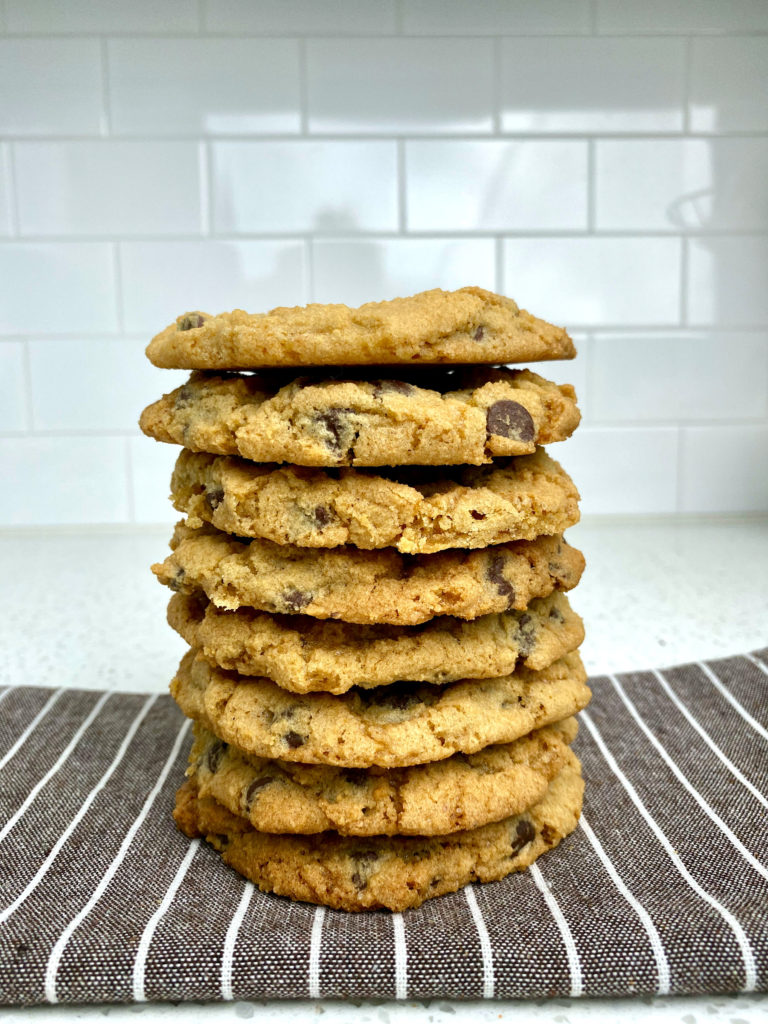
x: 603, y: 163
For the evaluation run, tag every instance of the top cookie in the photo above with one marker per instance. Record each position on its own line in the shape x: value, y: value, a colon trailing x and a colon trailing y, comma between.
x: 470, y: 325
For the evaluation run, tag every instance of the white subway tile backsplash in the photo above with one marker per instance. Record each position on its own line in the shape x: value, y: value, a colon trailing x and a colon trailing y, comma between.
x: 496, y: 186
x: 101, y: 16
x: 114, y: 382
x: 495, y: 17
x: 729, y: 84
x: 304, y: 186
x: 595, y: 281
x: 50, y: 87
x: 361, y: 271
x: 208, y: 86
x: 63, y: 480
x: 57, y: 288
x: 13, y: 390
x: 161, y: 280
x: 301, y: 17
x: 623, y: 470
x: 727, y: 280
x: 255, y: 153
x: 400, y: 85
x: 108, y: 188
x: 6, y: 185
x: 152, y: 463
x: 592, y: 85
x: 657, y: 17
x: 724, y: 469
x: 680, y: 376
x: 681, y: 184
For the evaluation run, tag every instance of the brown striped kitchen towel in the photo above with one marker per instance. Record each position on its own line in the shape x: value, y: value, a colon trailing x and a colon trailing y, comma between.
x: 663, y: 888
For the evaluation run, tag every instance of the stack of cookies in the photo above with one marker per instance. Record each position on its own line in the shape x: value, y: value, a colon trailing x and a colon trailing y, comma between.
x: 383, y: 666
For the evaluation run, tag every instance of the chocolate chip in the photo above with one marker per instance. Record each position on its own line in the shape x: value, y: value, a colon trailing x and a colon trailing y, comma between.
x: 496, y: 576
x: 178, y: 580
x: 322, y: 516
x: 478, y: 335
x: 335, y: 423
x: 526, y: 639
x: 293, y: 739
x: 295, y: 600
x: 400, y: 386
x: 214, y: 755
x: 254, y: 787
x: 477, y: 515
x: 214, y: 497
x: 548, y: 835
x: 355, y: 776
x: 184, y: 395
x: 362, y: 859
x: 524, y: 833
x: 556, y: 614
x: 510, y: 419
x: 186, y: 323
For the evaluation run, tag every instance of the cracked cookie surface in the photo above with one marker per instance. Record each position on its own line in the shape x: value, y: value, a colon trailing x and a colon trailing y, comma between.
x: 303, y: 655
x: 366, y: 586
x: 438, y: 417
x: 470, y: 325
x: 418, y: 510
x: 461, y: 792
x: 390, y: 726
x: 395, y: 872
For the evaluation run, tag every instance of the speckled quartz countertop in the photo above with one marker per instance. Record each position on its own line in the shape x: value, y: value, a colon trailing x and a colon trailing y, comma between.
x: 80, y: 608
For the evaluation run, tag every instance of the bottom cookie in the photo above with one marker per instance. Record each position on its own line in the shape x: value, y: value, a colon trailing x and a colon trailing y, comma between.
x: 393, y: 872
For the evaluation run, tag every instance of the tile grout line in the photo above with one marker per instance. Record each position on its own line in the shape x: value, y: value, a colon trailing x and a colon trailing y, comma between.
x: 13, y: 206
x: 498, y: 262
x: 106, y: 97
x: 362, y: 37
x: 687, y: 73
x: 309, y: 264
x: 117, y: 270
x: 303, y: 89
x: 402, y: 198
x: 205, y: 159
x: 347, y: 235
x: 591, y: 186
x: 130, y: 490
x: 684, y: 262
x: 497, y: 94
x: 423, y: 135
x: 679, y: 468
x: 29, y: 416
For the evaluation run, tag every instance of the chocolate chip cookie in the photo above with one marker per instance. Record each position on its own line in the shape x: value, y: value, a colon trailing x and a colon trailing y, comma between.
x: 390, y: 726
x: 302, y: 655
x: 462, y: 792
x: 396, y: 872
x: 470, y: 325
x: 416, y: 510
x: 437, y: 417
x: 366, y: 586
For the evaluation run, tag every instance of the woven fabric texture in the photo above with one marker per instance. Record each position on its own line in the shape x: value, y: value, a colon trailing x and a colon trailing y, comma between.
x: 663, y: 887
